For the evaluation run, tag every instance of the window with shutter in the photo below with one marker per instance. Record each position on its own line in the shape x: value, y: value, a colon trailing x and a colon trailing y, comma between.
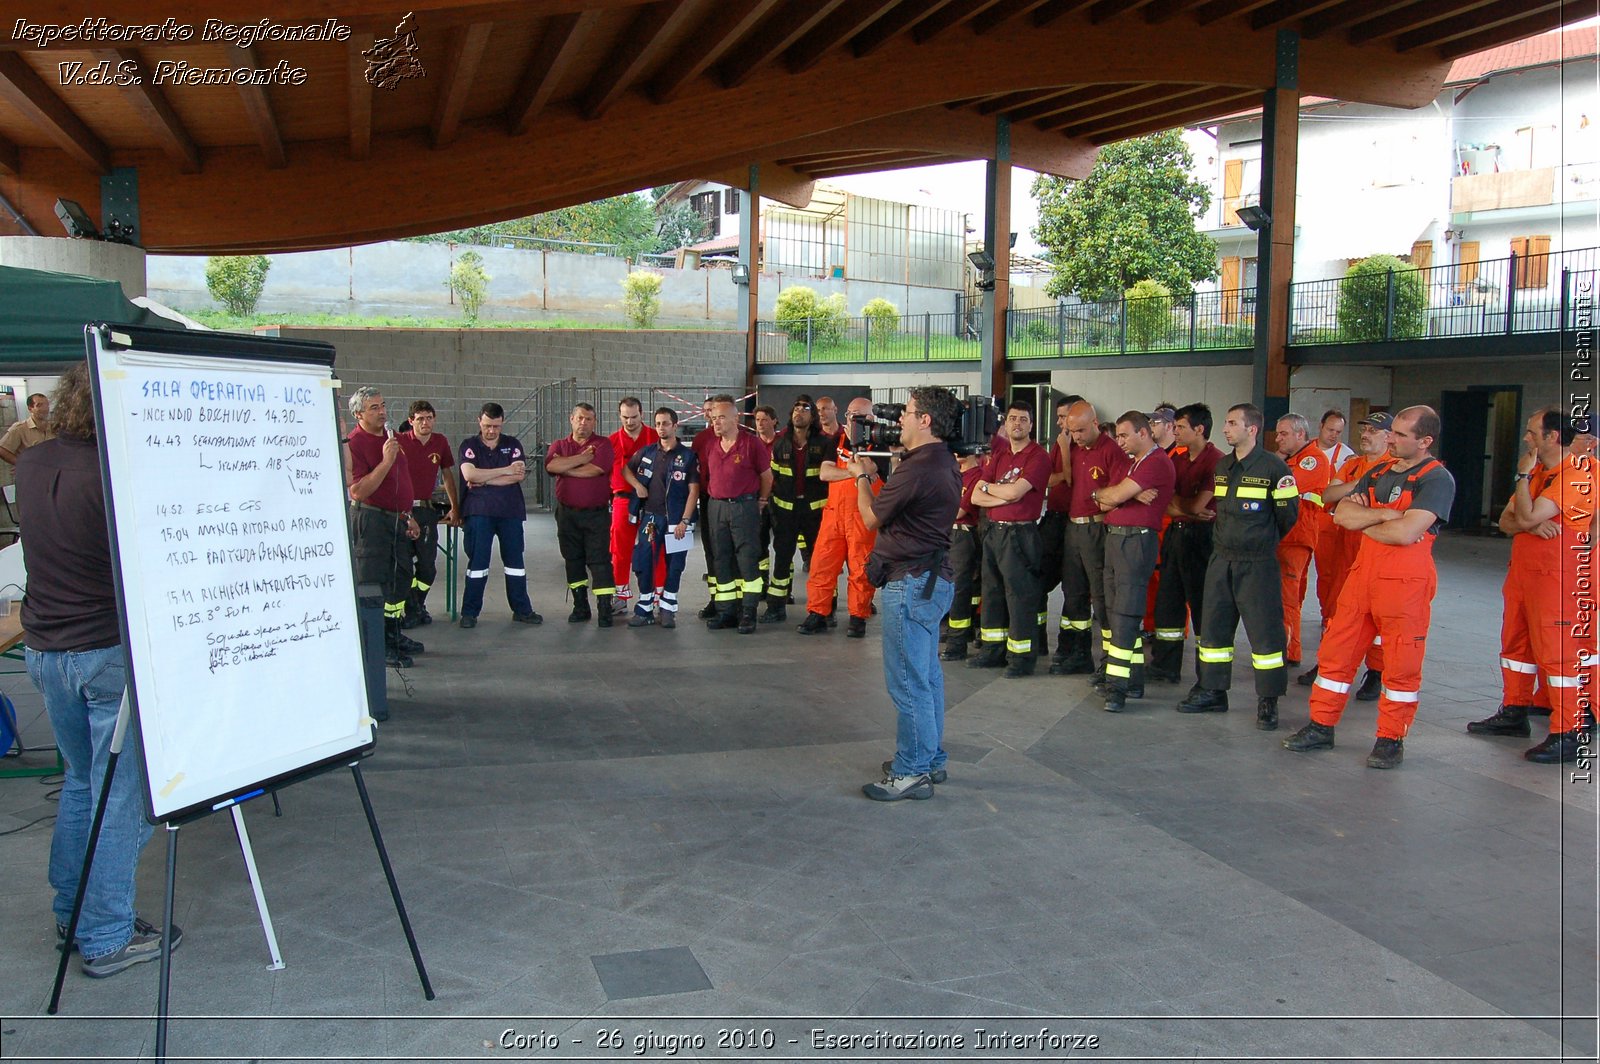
x: 1533, y: 260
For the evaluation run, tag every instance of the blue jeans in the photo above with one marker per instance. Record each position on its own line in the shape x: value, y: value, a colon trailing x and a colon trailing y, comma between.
x: 82, y: 693
x: 480, y: 536
x: 911, y: 669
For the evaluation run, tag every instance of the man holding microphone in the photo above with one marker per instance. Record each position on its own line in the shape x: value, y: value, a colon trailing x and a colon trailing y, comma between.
x: 912, y: 516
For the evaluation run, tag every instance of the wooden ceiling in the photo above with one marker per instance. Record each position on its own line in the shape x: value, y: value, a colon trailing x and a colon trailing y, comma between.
x: 530, y: 106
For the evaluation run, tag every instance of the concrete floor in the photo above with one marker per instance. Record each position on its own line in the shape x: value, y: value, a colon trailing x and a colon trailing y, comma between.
x: 661, y: 834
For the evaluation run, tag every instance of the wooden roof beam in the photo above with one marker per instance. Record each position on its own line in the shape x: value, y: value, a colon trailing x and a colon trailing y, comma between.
x: 258, y: 110
x: 159, y: 117
x: 1536, y: 23
x: 892, y: 25
x: 1495, y: 16
x: 949, y: 17
x: 360, y: 95
x: 897, y: 163
x: 1141, y: 98
x: 1411, y: 17
x: 1011, y: 100
x: 1001, y: 13
x: 1047, y: 13
x: 558, y: 49
x: 849, y: 21
x: 10, y: 158
x: 1084, y: 100
x: 1199, y: 109
x: 1110, y: 9
x: 27, y: 92
x: 798, y: 162
x: 1217, y: 10
x: 646, y: 40
x: 771, y: 39
x: 465, y: 52
x: 1281, y: 12
x: 1164, y: 10
x: 1342, y: 16
x: 1049, y: 105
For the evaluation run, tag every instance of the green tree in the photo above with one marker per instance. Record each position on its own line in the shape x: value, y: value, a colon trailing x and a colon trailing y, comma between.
x: 236, y: 281
x: 632, y: 223
x: 1149, y: 313
x: 883, y: 320
x: 470, y: 283
x: 1364, y: 300
x: 1132, y: 219
x: 801, y: 314
x: 641, y: 298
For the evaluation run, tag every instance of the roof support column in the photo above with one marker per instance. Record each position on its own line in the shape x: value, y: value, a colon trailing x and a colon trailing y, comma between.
x: 1280, y: 156
x: 994, y: 372
x: 750, y: 259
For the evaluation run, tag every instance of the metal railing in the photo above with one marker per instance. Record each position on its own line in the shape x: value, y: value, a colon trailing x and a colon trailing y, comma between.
x: 1198, y: 321
x: 1492, y: 297
x: 908, y: 338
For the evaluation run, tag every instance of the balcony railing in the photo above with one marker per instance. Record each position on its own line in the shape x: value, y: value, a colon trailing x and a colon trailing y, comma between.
x: 1516, y: 294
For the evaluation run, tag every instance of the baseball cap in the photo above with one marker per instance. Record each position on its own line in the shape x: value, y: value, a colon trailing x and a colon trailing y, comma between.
x: 1378, y: 420
x: 1163, y: 414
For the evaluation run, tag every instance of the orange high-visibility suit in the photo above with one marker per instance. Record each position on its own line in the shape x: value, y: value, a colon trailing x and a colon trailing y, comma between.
x: 841, y: 539
x: 1311, y: 475
x: 1388, y: 593
x: 1339, y: 547
x: 1543, y: 590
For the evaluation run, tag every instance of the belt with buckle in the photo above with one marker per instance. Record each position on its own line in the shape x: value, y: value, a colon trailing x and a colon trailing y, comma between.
x: 1128, y: 530
x: 1092, y: 519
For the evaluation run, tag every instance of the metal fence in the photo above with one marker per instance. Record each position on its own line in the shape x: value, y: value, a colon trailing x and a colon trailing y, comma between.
x: 1199, y: 321
x: 903, y: 338
x: 1492, y: 297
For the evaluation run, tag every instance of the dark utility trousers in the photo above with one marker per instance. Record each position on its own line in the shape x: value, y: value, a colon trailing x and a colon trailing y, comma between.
x: 382, y: 554
x: 794, y: 526
x: 1012, y: 599
x: 584, y: 537
x: 1130, y: 559
x: 1185, y: 552
x: 966, y: 560
x: 1251, y: 589
x: 1083, y: 581
x: 424, y: 555
x: 736, y: 540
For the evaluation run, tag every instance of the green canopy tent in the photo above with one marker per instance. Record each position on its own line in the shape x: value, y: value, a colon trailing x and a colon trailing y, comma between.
x: 42, y: 316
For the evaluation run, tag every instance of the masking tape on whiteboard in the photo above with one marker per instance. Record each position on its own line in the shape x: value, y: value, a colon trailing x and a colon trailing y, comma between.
x: 115, y: 374
x: 122, y: 338
x: 172, y: 785
x: 333, y: 382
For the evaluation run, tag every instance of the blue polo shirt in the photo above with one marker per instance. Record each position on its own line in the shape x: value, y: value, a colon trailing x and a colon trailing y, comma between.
x: 494, y: 500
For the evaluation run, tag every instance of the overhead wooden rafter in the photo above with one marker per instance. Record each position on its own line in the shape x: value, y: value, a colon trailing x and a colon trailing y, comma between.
x: 564, y: 37
x: 258, y: 111
x: 147, y: 99
x: 26, y: 91
x: 465, y: 52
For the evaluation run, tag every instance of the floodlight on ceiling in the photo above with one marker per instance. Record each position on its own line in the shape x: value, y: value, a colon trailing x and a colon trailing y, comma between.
x: 1254, y: 218
x: 75, y: 220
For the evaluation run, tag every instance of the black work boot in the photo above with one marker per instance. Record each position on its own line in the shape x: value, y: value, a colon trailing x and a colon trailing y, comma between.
x: 1309, y: 677
x: 776, y: 612
x: 725, y: 618
x: 1267, y: 714
x: 708, y: 611
x: 1020, y: 665
x: 602, y: 610
x: 747, y: 618
x: 1507, y: 720
x: 1386, y: 753
x: 833, y: 614
x: 814, y: 623
x: 406, y: 644
x: 992, y: 656
x: 857, y: 628
x: 1558, y: 748
x: 393, y: 656
x: 1076, y: 660
x: 1313, y: 736
x: 1116, y: 698
x: 580, y: 608
x: 1371, y: 687
x: 1201, y: 700
x: 955, y: 649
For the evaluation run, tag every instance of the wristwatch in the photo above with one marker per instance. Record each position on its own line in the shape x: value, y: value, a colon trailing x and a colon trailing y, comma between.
x: 984, y: 487
x: 1524, y: 476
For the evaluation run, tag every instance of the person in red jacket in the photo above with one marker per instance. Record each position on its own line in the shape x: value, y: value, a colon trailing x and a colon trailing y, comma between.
x: 633, y: 437
x: 1311, y: 472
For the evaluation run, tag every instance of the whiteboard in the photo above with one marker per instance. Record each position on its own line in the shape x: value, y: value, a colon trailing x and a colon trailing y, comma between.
x: 225, y: 496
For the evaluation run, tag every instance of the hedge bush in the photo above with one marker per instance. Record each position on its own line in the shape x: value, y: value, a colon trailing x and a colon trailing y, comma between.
x: 236, y: 281
x: 1364, y: 300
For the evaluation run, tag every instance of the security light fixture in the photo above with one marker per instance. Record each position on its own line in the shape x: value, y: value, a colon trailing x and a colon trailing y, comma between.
x: 1254, y: 218
x: 983, y: 262
x: 741, y: 273
x: 76, y: 220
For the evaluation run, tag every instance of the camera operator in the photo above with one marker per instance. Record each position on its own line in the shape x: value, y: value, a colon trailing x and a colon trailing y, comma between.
x: 912, y: 516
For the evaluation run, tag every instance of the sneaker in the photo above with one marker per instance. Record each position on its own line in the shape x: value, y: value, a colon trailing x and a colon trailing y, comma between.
x: 144, y: 946
x: 1386, y: 753
x: 623, y: 604
x: 141, y: 926
x: 1313, y: 736
x: 668, y: 619
x: 1371, y: 687
x: 1507, y: 720
x: 936, y: 775
x: 894, y: 788
x: 468, y: 621
x: 641, y: 620
x: 527, y: 618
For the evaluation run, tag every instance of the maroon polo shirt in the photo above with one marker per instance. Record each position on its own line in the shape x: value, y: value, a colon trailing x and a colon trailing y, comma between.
x: 425, y: 460
x: 1006, y: 466
x: 735, y: 470
x: 1058, y: 500
x: 584, y: 493
x: 966, y: 513
x: 1092, y: 468
x: 366, y: 454
x: 1196, y: 476
x: 1154, y: 470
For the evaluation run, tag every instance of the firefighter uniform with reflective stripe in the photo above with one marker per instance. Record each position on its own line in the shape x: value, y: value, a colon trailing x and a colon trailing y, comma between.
x: 1340, y: 546
x: 1311, y: 474
x: 1544, y: 583
x: 1132, y: 550
x: 1257, y: 505
x: 1519, y: 669
x: 1013, y: 595
x: 1388, y: 593
x: 842, y: 539
x: 1053, y: 540
x: 1185, y: 553
x: 798, y: 497
x: 966, y: 561
x: 1083, y: 606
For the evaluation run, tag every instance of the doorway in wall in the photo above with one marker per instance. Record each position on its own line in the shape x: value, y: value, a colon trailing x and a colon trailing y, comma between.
x: 1482, y: 434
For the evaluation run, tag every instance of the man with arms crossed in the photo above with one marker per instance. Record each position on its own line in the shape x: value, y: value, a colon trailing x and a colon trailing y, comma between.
x: 493, y: 467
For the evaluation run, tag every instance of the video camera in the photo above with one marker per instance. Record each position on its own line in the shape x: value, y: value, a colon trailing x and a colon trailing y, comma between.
x: 879, y: 432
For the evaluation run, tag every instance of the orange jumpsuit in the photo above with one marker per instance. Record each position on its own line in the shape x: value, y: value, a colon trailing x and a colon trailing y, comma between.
x: 841, y: 539
x: 1388, y: 593
x: 1311, y: 474
x: 1337, y: 548
x: 1328, y: 547
x: 1546, y: 583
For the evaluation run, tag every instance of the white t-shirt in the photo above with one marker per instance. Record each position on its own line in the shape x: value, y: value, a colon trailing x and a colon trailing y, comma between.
x: 1337, y: 454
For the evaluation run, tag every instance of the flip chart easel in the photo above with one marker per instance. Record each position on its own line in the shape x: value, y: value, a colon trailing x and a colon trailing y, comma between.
x: 220, y: 461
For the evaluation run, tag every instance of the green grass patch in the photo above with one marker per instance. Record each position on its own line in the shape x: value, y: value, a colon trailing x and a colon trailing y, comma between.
x: 218, y: 319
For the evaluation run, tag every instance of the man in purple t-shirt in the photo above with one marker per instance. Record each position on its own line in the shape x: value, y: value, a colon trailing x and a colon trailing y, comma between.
x: 1133, y: 506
